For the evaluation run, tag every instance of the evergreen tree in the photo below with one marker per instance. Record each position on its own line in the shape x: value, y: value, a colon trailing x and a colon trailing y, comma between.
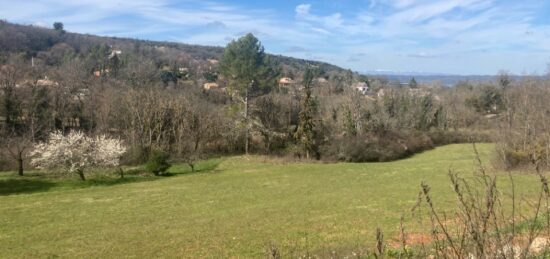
x: 307, y: 133
x: 250, y: 73
x: 58, y: 26
x: 349, y: 123
x: 413, y: 83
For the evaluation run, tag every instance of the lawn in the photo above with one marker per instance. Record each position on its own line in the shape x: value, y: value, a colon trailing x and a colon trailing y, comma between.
x: 233, y: 207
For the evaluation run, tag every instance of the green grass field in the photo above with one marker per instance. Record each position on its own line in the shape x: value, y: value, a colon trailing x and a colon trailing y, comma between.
x: 233, y: 207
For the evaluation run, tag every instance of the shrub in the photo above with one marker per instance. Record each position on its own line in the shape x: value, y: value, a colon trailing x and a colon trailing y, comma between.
x: 158, y: 162
x: 136, y: 155
x: 377, y: 147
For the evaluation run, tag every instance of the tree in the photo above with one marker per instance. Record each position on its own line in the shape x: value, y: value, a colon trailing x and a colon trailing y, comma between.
x: 11, y: 104
x: 76, y: 152
x: 413, y: 83
x: 16, y: 147
x: 249, y: 72
x: 270, y: 119
x: 200, y: 123
x: 350, y: 126
x: 58, y: 26
x: 158, y: 162
x: 307, y: 132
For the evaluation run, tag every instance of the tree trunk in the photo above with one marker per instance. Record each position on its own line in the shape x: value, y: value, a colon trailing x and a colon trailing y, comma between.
x: 192, y: 167
x: 20, y: 165
x: 247, y: 130
x: 81, y: 174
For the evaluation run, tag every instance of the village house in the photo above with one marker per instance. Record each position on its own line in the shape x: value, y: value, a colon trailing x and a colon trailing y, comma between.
x: 361, y: 87
x: 115, y: 52
x: 381, y: 93
x: 213, y: 61
x: 210, y: 86
x: 321, y: 80
x: 286, y: 82
x: 46, y: 82
x: 98, y: 73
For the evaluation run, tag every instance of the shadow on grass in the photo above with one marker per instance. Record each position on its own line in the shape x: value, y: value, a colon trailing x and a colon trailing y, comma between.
x: 32, y: 183
x: 18, y: 186
x: 206, y: 166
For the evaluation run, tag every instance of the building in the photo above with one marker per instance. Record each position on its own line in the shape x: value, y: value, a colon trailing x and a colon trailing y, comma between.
x: 210, y: 86
x: 362, y: 87
x: 286, y: 82
x: 213, y: 61
x: 115, y: 52
x: 321, y: 80
x: 46, y: 82
x: 381, y: 93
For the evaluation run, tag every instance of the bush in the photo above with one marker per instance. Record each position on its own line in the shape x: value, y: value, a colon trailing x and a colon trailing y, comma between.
x: 441, y: 137
x: 136, y: 155
x: 158, y: 162
x: 377, y: 148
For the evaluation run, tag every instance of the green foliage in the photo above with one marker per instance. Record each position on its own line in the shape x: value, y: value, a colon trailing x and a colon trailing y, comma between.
x: 210, y: 76
x: 167, y: 76
x: 307, y: 133
x: 489, y: 100
x: 58, y: 26
x: 350, y: 126
x: 413, y: 83
x: 247, y: 67
x: 158, y: 162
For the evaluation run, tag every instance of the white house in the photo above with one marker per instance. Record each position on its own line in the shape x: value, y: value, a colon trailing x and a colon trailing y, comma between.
x: 362, y: 87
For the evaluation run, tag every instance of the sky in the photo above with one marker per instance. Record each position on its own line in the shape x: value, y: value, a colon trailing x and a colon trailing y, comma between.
x: 467, y: 37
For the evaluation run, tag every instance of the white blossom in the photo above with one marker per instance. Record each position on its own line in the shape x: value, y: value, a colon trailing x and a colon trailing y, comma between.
x: 76, y: 151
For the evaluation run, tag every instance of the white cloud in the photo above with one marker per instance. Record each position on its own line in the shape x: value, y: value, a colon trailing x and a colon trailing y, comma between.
x: 302, y: 9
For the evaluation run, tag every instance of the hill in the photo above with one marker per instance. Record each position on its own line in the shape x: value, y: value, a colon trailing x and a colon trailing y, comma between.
x: 40, y: 42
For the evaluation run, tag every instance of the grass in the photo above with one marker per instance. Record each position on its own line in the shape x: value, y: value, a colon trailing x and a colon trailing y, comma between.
x: 232, y: 207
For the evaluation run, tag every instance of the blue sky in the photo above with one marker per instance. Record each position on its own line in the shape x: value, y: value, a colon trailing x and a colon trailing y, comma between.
x: 431, y: 36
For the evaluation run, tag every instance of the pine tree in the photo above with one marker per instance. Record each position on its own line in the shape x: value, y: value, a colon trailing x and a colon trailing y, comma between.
x: 250, y: 73
x: 307, y: 133
x: 349, y: 123
x: 413, y: 83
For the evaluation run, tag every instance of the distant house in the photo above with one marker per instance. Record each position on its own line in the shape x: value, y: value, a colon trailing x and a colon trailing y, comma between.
x: 46, y: 82
x: 213, y: 61
x: 115, y: 52
x: 98, y: 73
x: 418, y: 92
x: 210, y: 86
x: 381, y: 93
x: 286, y: 82
x: 71, y: 122
x: 361, y: 87
x: 321, y: 80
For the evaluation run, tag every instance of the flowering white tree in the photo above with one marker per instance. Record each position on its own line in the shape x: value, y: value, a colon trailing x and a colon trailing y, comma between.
x: 76, y: 152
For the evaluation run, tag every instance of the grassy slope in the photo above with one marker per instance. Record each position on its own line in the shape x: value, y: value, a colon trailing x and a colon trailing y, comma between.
x: 236, y: 209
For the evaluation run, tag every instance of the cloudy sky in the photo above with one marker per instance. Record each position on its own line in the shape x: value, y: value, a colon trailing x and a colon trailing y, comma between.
x: 431, y: 36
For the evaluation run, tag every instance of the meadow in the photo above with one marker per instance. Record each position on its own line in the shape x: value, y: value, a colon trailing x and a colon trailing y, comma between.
x: 232, y: 207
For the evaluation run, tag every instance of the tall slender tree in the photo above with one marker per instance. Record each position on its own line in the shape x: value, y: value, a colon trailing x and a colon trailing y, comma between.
x: 307, y: 133
x: 250, y: 74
